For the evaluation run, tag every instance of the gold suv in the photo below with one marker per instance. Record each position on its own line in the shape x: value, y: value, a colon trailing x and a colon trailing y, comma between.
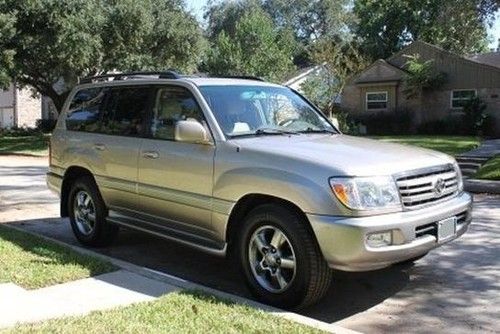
x: 239, y: 164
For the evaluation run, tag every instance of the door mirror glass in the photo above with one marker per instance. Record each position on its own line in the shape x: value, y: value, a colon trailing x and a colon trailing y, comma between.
x: 191, y: 131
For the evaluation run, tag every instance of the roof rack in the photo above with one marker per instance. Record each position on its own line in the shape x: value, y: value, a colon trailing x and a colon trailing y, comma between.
x: 170, y: 74
x: 244, y: 77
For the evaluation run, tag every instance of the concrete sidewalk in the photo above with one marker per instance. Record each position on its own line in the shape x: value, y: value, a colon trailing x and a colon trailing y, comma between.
x: 79, y: 297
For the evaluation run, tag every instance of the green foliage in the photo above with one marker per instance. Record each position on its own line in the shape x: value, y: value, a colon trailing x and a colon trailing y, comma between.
x: 7, y: 32
x: 54, y: 42
x: 33, y: 262
x: 386, y: 26
x: 255, y: 47
x: 475, y: 115
x: 421, y: 77
x: 394, y: 122
x: 339, y: 60
x: 490, y: 170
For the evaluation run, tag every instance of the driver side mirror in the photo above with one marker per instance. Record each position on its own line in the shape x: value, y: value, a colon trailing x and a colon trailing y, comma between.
x: 191, y: 131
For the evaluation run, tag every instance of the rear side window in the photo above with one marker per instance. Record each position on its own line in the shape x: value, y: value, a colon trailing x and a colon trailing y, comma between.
x: 84, y: 110
x: 125, y: 111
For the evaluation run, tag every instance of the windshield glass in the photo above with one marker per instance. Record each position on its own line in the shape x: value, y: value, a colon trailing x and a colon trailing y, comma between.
x: 256, y: 110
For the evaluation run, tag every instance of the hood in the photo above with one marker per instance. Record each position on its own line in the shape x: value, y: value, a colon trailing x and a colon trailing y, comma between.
x: 344, y: 155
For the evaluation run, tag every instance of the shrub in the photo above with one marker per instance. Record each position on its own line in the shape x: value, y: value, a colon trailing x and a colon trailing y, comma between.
x: 475, y: 115
x: 398, y: 121
x: 19, y: 132
x: 451, y: 125
x: 46, y: 125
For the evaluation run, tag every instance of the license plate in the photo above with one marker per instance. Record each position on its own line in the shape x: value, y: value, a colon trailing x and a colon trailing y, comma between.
x: 447, y: 228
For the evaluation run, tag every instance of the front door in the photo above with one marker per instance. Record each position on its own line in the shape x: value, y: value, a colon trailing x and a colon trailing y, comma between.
x: 175, y: 178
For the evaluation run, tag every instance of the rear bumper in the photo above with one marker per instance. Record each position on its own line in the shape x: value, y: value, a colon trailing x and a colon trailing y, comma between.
x: 54, y: 182
x: 342, y: 240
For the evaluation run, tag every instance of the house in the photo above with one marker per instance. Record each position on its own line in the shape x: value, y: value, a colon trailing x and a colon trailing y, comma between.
x: 380, y: 87
x: 19, y: 108
x: 299, y: 77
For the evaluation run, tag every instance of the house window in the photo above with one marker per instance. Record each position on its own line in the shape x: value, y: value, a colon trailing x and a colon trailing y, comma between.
x: 460, y: 97
x: 376, y: 100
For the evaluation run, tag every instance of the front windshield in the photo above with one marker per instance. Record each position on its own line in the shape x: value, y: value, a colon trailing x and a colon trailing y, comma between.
x: 251, y: 110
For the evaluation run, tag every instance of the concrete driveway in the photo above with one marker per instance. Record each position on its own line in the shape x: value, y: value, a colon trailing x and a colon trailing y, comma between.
x: 456, y: 288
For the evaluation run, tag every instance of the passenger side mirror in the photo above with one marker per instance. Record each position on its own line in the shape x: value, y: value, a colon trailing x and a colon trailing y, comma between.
x: 191, y: 131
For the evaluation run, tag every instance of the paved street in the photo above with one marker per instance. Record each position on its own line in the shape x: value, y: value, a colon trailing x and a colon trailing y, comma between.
x: 455, y: 288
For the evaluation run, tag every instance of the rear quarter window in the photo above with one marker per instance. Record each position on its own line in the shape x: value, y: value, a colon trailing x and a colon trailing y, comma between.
x: 84, y: 110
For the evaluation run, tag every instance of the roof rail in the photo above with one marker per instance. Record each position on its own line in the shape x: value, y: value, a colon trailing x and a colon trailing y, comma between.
x: 244, y: 77
x: 170, y: 74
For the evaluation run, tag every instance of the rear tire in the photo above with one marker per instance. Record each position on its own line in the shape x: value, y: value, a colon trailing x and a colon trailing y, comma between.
x: 87, y: 214
x: 280, y: 258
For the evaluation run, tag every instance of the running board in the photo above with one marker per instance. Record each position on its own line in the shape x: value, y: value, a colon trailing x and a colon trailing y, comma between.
x: 202, y: 244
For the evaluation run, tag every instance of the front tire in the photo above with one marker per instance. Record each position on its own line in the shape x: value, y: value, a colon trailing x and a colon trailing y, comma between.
x: 87, y: 214
x: 280, y: 258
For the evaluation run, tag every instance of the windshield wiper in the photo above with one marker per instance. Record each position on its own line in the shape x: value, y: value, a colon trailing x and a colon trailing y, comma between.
x: 265, y: 131
x: 311, y: 130
x: 274, y: 131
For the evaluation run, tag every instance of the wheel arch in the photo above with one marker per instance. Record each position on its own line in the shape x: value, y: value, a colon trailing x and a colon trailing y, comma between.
x: 72, y: 173
x: 250, y: 201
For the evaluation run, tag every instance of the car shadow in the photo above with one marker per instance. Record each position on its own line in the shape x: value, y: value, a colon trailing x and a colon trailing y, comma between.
x: 350, y: 293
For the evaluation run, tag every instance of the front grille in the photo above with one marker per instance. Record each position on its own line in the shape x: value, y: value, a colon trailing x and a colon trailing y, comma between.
x: 418, y: 188
x: 432, y: 228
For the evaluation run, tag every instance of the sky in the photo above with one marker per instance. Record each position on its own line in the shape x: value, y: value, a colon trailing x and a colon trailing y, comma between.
x: 196, y: 6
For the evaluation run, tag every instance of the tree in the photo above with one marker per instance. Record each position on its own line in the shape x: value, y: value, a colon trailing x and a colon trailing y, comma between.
x: 56, y: 42
x: 7, y: 32
x: 252, y: 47
x: 386, y: 26
x: 421, y: 77
x: 339, y: 60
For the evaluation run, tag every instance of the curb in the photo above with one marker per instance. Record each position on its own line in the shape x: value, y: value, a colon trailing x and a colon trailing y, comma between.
x: 185, y: 284
x: 482, y: 186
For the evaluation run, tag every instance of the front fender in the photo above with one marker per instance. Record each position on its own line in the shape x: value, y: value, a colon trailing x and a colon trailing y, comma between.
x: 311, y: 195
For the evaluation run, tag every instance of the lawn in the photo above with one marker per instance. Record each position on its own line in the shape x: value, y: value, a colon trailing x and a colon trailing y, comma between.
x: 490, y: 170
x: 30, y: 145
x: 179, y: 312
x: 32, y: 262
x: 452, y: 145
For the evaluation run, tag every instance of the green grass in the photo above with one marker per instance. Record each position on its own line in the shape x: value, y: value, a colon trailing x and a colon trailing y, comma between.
x: 179, y: 312
x: 29, y: 145
x: 490, y: 170
x: 452, y: 145
x: 32, y: 262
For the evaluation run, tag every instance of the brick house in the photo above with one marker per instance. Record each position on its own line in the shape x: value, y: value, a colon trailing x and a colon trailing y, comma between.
x: 19, y: 108
x: 379, y: 88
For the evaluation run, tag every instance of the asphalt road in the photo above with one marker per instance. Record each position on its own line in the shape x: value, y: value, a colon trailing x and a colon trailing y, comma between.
x: 456, y: 288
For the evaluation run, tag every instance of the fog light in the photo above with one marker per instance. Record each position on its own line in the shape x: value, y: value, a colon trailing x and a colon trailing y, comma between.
x: 379, y: 239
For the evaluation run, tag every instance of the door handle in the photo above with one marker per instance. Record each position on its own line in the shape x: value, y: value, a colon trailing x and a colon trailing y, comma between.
x: 151, y: 155
x: 99, y: 147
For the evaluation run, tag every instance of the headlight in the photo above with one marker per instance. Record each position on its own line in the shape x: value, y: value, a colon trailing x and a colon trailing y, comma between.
x: 460, y: 181
x: 366, y: 193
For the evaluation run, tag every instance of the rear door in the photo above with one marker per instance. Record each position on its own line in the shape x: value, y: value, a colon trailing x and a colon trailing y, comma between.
x: 121, y: 132
x: 175, y: 178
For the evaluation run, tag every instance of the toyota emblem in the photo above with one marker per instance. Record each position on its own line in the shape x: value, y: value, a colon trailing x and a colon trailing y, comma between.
x: 439, y: 186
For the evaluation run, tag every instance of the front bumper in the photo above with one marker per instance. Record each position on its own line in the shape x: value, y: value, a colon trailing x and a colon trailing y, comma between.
x: 342, y: 240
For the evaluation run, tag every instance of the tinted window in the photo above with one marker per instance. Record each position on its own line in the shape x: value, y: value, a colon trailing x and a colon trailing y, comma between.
x: 173, y: 104
x: 84, y: 110
x: 125, y: 111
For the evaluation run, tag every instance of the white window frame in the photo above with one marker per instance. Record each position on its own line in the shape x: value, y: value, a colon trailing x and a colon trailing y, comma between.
x: 379, y: 92
x: 460, y: 99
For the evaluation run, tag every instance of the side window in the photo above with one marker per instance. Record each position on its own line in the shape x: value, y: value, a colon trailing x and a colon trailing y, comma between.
x: 84, y: 110
x: 173, y: 104
x: 125, y: 111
